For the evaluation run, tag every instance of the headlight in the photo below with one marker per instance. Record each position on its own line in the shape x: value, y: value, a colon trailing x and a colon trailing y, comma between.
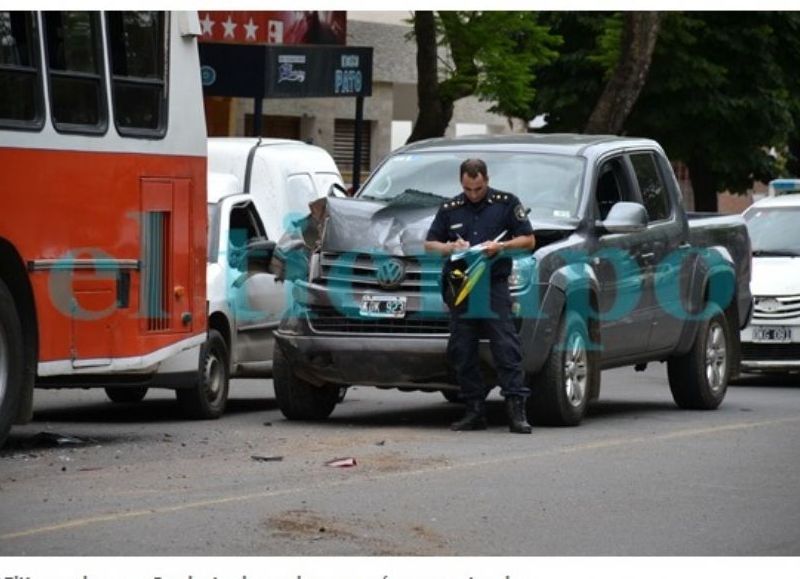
x: 521, y: 273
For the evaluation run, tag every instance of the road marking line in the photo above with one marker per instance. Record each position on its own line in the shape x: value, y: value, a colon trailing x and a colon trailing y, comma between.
x: 113, y: 517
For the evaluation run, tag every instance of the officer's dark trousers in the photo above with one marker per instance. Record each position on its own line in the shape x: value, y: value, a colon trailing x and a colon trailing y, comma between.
x: 466, y: 331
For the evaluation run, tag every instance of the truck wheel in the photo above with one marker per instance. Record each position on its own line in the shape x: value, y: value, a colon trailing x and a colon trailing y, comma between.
x: 126, y: 395
x: 297, y: 398
x: 207, y: 398
x: 451, y: 396
x: 560, y: 392
x: 699, y: 378
x: 11, y: 365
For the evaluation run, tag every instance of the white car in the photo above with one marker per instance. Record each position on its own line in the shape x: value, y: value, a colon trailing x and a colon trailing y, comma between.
x: 771, y: 343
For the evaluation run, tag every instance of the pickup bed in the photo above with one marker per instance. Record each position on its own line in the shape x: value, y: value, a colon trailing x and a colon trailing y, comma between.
x: 620, y: 276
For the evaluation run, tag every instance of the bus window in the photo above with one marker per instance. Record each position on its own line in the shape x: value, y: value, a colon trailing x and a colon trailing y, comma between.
x: 21, y: 105
x: 75, y: 67
x: 137, y: 42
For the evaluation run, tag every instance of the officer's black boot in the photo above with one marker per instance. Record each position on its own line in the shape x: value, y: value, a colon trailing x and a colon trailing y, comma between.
x: 515, y: 409
x: 474, y: 418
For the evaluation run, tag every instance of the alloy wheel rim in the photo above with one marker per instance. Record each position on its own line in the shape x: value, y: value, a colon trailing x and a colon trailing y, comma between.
x: 575, y: 370
x: 716, y: 357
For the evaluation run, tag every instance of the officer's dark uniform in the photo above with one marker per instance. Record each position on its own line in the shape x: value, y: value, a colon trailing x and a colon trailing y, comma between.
x: 476, y: 223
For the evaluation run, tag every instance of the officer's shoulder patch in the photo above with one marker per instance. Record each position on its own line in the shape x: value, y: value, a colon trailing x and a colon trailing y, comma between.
x: 520, y: 212
x: 501, y: 197
x: 453, y: 203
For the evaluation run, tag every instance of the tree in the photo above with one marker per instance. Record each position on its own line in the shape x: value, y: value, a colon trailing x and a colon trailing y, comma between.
x: 636, y: 46
x: 491, y: 55
x: 719, y: 93
x: 717, y: 99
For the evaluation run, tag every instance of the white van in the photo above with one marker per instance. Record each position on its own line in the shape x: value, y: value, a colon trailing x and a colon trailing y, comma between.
x: 283, y: 176
x: 254, y: 187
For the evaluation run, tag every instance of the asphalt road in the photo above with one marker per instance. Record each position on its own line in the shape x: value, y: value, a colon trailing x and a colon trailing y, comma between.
x: 638, y: 477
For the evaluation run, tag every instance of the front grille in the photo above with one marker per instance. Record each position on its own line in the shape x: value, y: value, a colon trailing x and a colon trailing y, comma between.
x: 361, y: 271
x: 770, y: 352
x: 787, y: 307
x: 329, y: 320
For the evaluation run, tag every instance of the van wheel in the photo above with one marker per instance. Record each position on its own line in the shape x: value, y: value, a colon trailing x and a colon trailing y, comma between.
x: 297, y: 398
x: 699, y: 378
x: 126, y: 395
x: 11, y: 365
x: 207, y: 398
x: 561, y: 391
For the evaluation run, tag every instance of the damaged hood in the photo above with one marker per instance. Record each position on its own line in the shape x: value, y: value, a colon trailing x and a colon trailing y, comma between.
x: 375, y: 226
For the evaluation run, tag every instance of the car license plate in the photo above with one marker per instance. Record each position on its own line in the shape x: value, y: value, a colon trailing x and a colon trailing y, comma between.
x: 383, y: 306
x: 772, y: 334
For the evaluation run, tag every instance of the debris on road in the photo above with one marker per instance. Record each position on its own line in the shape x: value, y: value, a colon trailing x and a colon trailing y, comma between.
x: 342, y: 462
x: 53, y: 439
x: 258, y: 458
x: 380, y: 443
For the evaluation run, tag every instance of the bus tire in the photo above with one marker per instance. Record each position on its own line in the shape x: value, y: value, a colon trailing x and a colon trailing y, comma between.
x: 123, y: 395
x: 207, y: 399
x: 297, y: 398
x: 699, y: 379
x: 11, y: 361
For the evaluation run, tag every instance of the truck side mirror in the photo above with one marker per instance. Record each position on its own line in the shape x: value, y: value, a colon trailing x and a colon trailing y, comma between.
x: 625, y: 217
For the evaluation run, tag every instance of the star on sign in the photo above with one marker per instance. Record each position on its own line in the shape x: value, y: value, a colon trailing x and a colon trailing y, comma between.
x: 251, y: 30
x: 208, y: 25
x: 229, y: 26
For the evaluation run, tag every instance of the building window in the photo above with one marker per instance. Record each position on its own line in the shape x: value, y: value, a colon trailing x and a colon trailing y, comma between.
x: 21, y: 104
x: 138, y: 45
x: 75, y: 69
x: 344, y: 134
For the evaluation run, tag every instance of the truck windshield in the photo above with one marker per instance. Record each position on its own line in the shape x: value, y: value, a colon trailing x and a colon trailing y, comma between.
x: 547, y: 184
x: 774, y: 231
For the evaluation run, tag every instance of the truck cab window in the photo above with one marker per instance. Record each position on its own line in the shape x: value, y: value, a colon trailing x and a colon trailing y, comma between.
x: 610, y: 187
x: 21, y: 105
x: 651, y: 186
x: 75, y: 65
x: 137, y: 48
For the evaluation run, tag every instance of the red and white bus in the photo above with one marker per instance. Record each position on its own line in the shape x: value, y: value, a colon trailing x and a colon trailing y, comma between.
x: 102, y: 204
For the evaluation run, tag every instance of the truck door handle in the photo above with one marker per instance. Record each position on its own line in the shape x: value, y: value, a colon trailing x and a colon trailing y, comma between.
x: 649, y: 255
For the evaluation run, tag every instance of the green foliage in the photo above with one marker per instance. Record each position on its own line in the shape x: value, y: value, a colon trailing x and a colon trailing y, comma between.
x: 492, y: 55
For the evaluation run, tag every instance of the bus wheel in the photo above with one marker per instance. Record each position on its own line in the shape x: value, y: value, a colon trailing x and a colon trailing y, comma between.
x: 122, y: 395
x: 207, y: 398
x: 11, y: 368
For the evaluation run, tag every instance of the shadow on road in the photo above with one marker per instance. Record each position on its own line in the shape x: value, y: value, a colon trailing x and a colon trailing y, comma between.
x: 147, y: 411
x: 768, y: 380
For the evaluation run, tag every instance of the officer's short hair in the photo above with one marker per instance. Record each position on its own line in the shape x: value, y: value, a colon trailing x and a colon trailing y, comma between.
x: 473, y: 168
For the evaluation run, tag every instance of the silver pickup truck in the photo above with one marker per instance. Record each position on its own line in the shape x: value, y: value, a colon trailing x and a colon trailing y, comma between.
x: 620, y: 276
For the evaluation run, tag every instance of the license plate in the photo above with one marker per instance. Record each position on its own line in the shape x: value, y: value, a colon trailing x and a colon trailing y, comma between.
x: 768, y: 334
x: 383, y: 306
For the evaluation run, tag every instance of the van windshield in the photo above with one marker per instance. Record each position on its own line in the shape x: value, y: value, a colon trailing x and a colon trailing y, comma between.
x: 547, y: 184
x: 774, y: 232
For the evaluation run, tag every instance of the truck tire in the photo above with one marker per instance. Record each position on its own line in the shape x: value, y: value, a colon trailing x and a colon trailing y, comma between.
x: 11, y: 361
x: 699, y: 378
x: 560, y: 392
x: 297, y: 398
x: 207, y: 399
x: 122, y: 395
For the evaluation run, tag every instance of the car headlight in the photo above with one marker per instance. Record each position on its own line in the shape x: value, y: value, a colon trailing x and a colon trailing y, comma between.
x: 521, y: 273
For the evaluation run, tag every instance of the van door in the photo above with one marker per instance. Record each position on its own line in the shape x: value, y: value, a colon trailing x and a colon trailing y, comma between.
x: 256, y: 300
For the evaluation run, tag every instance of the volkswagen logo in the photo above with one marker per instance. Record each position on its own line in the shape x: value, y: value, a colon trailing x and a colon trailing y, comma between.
x: 391, y: 273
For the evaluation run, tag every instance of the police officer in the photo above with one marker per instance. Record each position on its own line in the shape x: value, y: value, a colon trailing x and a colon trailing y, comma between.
x: 478, y: 216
